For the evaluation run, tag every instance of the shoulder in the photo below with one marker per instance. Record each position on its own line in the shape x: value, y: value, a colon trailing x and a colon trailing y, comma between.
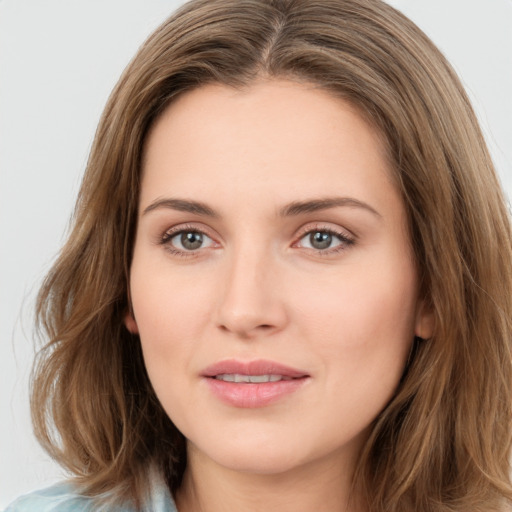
x: 58, y: 498
x: 64, y: 497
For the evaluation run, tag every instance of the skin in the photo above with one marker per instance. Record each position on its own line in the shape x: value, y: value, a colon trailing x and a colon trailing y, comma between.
x: 259, y: 288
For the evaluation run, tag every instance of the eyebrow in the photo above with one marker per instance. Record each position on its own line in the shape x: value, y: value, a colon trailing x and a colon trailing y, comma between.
x: 182, y: 205
x: 290, y: 210
x: 314, y: 205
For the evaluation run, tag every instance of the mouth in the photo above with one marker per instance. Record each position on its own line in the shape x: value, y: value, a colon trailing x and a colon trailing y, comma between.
x: 252, y: 384
x: 231, y: 369
x: 252, y: 379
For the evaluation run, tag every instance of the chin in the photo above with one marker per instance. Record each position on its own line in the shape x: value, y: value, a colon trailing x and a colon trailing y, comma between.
x: 251, y: 452
x: 259, y: 462
x: 263, y: 453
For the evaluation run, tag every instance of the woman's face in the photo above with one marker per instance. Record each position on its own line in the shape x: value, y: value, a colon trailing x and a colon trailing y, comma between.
x: 273, y: 282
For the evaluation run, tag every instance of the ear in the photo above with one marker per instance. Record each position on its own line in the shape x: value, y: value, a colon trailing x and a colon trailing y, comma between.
x: 130, y: 323
x: 425, y: 321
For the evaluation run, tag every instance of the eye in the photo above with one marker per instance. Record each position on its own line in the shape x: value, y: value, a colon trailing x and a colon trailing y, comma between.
x: 187, y: 240
x: 325, y: 240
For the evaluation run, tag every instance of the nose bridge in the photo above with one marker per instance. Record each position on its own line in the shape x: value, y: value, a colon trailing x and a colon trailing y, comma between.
x: 250, y: 301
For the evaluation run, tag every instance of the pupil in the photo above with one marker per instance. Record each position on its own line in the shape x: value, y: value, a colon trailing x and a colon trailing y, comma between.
x: 320, y: 240
x: 191, y: 240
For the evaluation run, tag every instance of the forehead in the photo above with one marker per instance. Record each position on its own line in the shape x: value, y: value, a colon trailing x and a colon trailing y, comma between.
x: 277, y: 138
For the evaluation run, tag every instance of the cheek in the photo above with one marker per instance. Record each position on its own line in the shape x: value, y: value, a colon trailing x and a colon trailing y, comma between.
x: 169, y: 315
x: 359, y: 305
x: 165, y: 306
x: 361, y: 322
x: 167, y: 319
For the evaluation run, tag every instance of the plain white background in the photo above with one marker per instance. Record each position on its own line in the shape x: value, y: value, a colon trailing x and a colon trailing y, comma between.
x: 59, y: 60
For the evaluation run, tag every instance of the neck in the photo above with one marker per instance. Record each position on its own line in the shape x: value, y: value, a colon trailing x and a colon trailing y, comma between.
x: 324, y: 485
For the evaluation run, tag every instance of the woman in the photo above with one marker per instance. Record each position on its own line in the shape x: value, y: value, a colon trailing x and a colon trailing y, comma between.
x: 288, y: 284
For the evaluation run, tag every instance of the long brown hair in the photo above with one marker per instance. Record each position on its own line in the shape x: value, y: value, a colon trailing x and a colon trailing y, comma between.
x: 443, y: 442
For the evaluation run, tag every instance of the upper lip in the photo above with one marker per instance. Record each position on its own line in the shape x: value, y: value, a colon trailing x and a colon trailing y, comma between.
x: 255, y: 367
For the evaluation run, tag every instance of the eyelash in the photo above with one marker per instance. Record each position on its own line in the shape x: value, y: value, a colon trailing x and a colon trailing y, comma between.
x: 345, y: 240
x: 166, y: 238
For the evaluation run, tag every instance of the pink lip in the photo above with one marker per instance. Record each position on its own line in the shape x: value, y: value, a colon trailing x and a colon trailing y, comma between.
x: 256, y: 367
x: 252, y: 395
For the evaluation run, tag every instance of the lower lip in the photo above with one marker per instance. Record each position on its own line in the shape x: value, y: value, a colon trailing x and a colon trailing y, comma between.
x: 249, y: 395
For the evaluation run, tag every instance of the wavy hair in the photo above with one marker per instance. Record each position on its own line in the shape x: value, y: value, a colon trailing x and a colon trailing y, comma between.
x: 443, y: 442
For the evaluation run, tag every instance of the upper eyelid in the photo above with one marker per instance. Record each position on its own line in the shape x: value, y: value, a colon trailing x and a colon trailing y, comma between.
x: 325, y: 226
x: 180, y: 228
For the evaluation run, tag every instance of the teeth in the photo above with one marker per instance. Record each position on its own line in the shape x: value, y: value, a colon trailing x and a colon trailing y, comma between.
x: 237, y: 377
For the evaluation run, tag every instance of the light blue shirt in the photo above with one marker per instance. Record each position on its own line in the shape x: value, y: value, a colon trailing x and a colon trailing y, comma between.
x: 64, y: 498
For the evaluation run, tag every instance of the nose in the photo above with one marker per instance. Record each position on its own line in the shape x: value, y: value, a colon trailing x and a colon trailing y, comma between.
x: 251, y: 298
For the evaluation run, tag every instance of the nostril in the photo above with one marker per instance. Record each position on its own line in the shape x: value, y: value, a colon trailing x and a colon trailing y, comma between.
x: 247, y: 332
